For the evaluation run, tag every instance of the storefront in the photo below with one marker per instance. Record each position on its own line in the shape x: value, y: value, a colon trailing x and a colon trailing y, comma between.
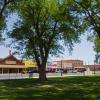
x: 31, y: 66
x: 80, y: 68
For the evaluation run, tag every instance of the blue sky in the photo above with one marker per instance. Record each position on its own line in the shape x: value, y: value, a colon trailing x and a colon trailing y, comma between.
x: 82, y: 51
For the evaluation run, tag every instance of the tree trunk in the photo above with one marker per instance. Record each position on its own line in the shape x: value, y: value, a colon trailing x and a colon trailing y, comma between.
x: 42, y: 73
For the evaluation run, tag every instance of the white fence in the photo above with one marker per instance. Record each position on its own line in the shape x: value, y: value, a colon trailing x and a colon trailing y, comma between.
x: 13, y: 76
x: 36, y: 75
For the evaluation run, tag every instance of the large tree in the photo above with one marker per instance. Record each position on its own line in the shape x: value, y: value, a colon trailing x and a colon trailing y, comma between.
x: 44, y: 26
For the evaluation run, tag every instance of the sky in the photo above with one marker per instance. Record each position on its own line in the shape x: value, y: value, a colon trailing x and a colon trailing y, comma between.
x: 82, y: 51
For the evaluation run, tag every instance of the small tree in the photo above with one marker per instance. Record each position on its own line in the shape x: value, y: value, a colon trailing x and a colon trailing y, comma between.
x: 96, y: 42
x: 42, y: 26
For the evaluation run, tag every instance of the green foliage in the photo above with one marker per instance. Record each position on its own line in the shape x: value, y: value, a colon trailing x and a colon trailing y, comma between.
x: 97, y: 50
x: 1, y: 22
x: 90, y: 12
x: 96, y: 47
x: 2, y: 26
x: 3, y: 14
x: 44, y: 20
x: 44, y: 27
x: 97, y: 44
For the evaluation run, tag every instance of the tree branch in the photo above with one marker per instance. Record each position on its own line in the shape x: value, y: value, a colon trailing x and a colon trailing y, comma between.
x: 93, y: 22
x: 6, y: 2
x: 47, y: 48
x: 35, y: 51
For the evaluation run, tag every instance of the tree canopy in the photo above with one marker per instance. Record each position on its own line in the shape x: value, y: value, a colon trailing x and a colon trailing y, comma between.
x: 90, y: 11
x: 3, y: 14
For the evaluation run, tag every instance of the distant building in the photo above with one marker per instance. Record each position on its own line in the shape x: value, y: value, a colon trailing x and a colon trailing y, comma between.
x: 95, y: 67
x: 76, y: 65
x: 69, y: 64
x: 11, y: 64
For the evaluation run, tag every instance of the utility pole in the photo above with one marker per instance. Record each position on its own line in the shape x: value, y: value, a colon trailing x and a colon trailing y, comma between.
x: 62, y: 67
x: 94, y: 67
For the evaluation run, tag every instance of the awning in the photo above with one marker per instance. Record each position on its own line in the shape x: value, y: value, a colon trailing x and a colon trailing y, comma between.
x: 79, y: 67
x: 12, y: 66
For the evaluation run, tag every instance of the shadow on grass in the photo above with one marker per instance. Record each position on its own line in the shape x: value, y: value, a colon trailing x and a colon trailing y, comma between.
x: 66, y: 88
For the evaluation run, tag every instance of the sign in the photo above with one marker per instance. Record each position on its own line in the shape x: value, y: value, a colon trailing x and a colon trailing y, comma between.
x: 10, y: 62
x: 54, y: 65
x: 30, y: 63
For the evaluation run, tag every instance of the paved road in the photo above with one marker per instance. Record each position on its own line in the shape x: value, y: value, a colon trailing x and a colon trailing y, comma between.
x: 36, y: 75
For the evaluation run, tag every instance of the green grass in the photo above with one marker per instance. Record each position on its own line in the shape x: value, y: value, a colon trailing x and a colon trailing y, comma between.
x: 66, y: 88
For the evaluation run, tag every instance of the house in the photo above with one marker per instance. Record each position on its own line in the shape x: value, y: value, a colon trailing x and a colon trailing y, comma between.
x: 11, y: 64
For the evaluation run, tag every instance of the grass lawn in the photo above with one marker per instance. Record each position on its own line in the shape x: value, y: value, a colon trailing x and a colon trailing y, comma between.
x: 66, y: 88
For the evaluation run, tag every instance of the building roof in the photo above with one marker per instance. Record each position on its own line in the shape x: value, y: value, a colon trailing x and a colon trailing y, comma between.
x: 96, y: 65
x: 69, y: 61
x: 12, y: 66
x: 9, y: 59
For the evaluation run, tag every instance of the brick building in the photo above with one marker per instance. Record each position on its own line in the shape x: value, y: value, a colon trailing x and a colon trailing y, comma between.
x: 69, y: 64
x: 76, y: 65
